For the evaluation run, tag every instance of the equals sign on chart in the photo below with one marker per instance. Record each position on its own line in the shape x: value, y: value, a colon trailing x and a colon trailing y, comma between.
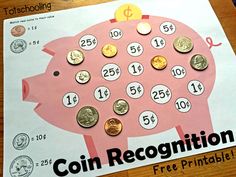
x: 37, y: 164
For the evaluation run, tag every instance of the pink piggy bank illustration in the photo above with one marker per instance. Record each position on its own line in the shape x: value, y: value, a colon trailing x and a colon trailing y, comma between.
x: 174, y: 96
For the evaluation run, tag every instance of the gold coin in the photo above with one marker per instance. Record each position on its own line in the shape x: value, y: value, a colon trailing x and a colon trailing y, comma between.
x: 159, y: 62
x: 144, y: 28
x: 199, y: 62
x: 128, y: 12
x: 109, y: 50
x: 121, y: 107
x: 87, y: 117
x: 183, y: 44
x: 75, y: 57
x: 113, y: 127
x: 82, y: 77
x: 18, y: 30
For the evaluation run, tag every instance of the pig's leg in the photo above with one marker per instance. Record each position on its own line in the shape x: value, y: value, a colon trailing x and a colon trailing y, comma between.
x: 98, y: 146
x: 196, y: 120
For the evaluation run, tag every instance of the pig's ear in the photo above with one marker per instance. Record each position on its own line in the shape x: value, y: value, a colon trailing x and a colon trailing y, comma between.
x: 57, y: 45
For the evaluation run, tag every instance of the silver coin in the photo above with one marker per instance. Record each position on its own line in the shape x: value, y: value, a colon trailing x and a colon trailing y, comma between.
x: 18, y: 46
x: 82, y: 77
x: 75, y: 57
x: 87, y: 117
x: 121, y: 107
x: 21, y: 141
x: 22, y: 166
x: 199, y: 62
x: 183, y: 44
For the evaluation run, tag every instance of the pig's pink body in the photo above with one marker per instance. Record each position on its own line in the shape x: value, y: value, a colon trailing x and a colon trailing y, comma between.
x: 48, y: 90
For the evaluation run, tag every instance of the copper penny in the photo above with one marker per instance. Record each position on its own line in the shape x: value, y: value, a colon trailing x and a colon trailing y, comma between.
x: 113, y: 127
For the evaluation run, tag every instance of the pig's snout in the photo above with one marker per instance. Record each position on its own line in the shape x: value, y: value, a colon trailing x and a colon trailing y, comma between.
x: 25, y: 89
x: 29, y: 90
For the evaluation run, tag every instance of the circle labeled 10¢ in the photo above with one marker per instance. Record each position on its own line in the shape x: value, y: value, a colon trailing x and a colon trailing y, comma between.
x: 70, y: 100
x: 102, y: 93
x: 178, y: 72
x: 111, y: 72
x: 161, y: 94
x: 148, y: 120
x: 88, y: 42
x: 116, y: 34
x: 183, y: 105
x: 135, y: 90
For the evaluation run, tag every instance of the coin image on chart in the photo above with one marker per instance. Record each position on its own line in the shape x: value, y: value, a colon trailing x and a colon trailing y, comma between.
x: 121, y: 107
x: 21, y: 141
x: 21, y: 166
x: 75, y: 57
x: 144, y: 28
x: 128, y: 12
x: 183, y: 44
x: 87, y: 117
x: 18, y: 46
x: 109, y: 50
x: 199, y: 62
x: 18, y: 30
x: 113, y: 127
x: 82, y: 77
x: 159, y: 62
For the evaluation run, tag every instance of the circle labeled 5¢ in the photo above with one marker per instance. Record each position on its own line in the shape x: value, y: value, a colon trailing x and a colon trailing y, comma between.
x: 135, y: 90
x: 148, y: 120
x: 135, y: 49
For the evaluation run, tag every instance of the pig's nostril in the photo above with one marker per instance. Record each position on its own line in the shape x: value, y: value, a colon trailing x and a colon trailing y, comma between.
x: 25, y: 89
x: 56, y: 73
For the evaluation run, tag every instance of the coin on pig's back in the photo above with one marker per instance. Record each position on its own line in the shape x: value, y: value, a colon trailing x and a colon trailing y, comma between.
x: 87, y: 117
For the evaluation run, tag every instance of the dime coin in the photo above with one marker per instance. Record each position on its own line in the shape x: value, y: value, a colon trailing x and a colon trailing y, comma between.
x: 144, y: 28
x: 75, y: 57
x: 18, y: 46
x: 128, y: 12
x: 18, y: 30
x: 21, y: 141
x: 109, y: 50
x: 199, y: 62
x: 121, y: 107
x: 87, y: 117
x: 113, y: 127
x: 82, y: 77
x: 159, y: 62
x: 183, y: 44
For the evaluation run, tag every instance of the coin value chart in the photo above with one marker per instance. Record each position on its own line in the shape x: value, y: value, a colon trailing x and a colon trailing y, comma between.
x: 134, y: 75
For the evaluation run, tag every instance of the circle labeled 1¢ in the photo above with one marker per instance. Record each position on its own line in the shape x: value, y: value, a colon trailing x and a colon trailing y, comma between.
x: 135, y: 69
x: 102, y: 93
x: 195, y: 87
x: 70, y: 100
x: 148, y: 120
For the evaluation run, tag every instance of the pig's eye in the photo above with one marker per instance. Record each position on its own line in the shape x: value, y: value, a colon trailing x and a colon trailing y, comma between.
x: 56, y: 73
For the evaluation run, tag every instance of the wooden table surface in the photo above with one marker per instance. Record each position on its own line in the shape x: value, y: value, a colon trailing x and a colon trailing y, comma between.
x: 226, y: 13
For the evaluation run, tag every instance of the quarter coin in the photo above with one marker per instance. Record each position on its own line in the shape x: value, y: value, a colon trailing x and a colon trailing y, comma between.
x: 87, y: 117
x: 183, y: 44
x: 75, y: 57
